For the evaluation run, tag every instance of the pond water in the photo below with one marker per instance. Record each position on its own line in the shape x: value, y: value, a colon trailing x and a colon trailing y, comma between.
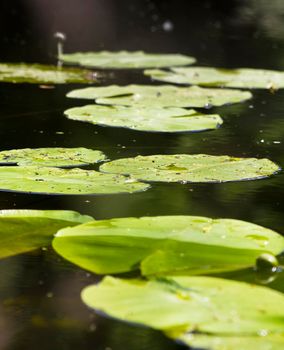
x: 39, y: 291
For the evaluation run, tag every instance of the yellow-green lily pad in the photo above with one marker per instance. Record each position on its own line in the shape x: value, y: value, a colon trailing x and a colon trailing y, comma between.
x: 56, y: 156
x: 263, y: 341
x: 192, y: 168
x: 234, y: 78
x: 164, y: 245
x: 160, y: 96
x: 43, y: 74
x: 25, y: 230
x: 50, y: 180
x: 146, y: 118
x: 125, y: 59
x: 179, y: 305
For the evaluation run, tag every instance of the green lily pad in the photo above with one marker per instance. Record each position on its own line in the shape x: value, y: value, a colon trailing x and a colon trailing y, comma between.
x: 192, y: 168
x: 43, y: 74
x: 125, y: 59
x: 178, y: 305
x: 146, y: 119
x: 25, y: 230
x: 234, y: 78
x: 64, y: 181
x: 214, y: 342
x: 58, y: 157
x: 166, y: 244
x: 160, y: 96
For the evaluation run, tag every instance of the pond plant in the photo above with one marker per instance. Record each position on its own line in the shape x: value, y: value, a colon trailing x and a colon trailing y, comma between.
x: 177, y: 260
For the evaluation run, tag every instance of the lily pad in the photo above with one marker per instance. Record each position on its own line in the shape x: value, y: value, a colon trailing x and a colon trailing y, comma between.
x: 146, y: 119
x: 25, y: 230
x: 234, y: 78
x: 262, y: 341
x: 43, y: 74
x: 192, y: 168
x: 64, y: 181
x: 160, y: 96
x: 185, y: 304
x: 166, y: 244
x: 126, y: 59
x: 59, y: 157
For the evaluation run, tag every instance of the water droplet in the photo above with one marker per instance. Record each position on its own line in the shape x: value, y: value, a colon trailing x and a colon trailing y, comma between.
x: 183, y: 295
x: 168, y: 26
x: 267, y: 261
x: 263, y: 332
x: 128, y: 181
x: 208, y: 105
x: 260, y: 240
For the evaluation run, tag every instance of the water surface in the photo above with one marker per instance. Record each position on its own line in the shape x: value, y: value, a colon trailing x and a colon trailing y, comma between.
x: 40, y: 304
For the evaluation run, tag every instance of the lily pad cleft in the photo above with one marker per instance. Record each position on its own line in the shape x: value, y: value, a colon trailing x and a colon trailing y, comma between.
x: 152, y: 119
x: 160, y: 96
x: 245, y: 78
x: 164, y: 245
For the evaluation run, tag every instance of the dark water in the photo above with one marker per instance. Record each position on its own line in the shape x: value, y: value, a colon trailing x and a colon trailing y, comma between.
x: 40, y: 304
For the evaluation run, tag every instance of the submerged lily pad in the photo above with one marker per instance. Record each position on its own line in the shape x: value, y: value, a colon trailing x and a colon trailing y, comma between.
x: 64, y: 181
x: 43, y: 74
x: 178, y: 305
x: 25, y: 230
x: 59, y: 157
x: 166, y: 244
x: 192, y: 168
x: 263, y: 341
x: 208, y: 76
x: 146, y: 119
x: 126, y: 59
x: 160, y: 96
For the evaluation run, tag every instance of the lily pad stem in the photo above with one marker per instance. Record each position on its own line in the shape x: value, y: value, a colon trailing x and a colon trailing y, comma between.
x: 61, y: 37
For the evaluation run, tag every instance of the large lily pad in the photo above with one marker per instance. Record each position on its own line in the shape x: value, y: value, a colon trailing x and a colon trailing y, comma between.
x: 160, y: 96
x: 185, y: 304
x: 59, y: 157
x: 25, y: 230
x: 126, y: 59
x: 166, y: 244
x: 64, y: 181
x: 218, y: 342
x: 43, y: 74
x: 192, y: 168
x: 208, y: 76
x: 146, y: 119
